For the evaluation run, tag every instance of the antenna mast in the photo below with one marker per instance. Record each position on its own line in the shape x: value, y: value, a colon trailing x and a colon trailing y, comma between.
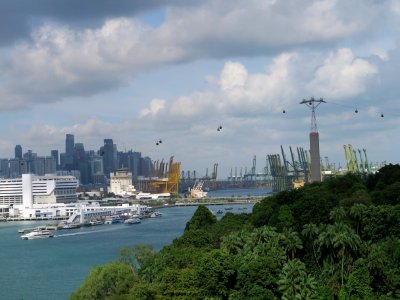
x: 313, y: 104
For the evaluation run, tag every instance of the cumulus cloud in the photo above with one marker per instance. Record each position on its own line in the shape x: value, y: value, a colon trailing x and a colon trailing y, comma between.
x: 156, y: 105
x: 342, y: 75
x: 338, y: 76
x: 61, y: 61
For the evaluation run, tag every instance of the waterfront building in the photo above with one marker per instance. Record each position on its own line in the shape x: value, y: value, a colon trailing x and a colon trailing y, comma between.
x: 121, y: 183
x: 32, y: 189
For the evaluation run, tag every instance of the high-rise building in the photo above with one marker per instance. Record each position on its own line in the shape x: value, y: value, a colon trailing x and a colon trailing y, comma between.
x: 80, y: 162
x: 69, y: 151
x: 4, y: 168
x: 45, y: 165
x: 96, y: 170
x: 18, y: 151
x: 54, y: 154
x: 131, y: 161
x: 29, y: 158
x: 109, y: 162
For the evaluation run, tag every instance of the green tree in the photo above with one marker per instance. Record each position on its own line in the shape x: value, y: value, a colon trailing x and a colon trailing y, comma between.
x: 295, y: 283
x: 285, y: 217
x: 358, y: 285
x: 112, y: 279
x: 202, y: 218
x: 340, y: 240
x: 310, y: 232
x: 338, y: 214
x: 291, y: 242
x: 216, y: 274
x: 357, y: 212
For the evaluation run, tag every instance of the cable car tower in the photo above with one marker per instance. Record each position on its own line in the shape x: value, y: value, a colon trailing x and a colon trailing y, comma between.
x: 314, y: 139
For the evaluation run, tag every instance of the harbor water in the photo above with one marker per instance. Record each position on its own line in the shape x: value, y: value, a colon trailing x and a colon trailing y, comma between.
x: 52, y: 268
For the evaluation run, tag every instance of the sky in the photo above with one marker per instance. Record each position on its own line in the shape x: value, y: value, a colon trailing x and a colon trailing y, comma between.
x: 140, y: 71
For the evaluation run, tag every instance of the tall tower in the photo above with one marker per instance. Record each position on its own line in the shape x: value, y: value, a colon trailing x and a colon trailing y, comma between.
x: 108, y: 157
x: 314, y: 140
x: 69, y: 151
x: 18, y: 151
x: 54, y: 154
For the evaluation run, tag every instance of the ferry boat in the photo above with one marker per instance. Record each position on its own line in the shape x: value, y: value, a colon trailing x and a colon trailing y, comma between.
x: 37, y: 234
x: 132, y: 221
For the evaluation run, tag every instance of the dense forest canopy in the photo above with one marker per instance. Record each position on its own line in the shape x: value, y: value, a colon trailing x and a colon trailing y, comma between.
x: 339, y: 239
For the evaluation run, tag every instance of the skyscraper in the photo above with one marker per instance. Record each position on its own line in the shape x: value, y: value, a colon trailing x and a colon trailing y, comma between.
x: 54, y: 154
x: 108, y: 157
x: 18, y: 151
x: 69, y: 151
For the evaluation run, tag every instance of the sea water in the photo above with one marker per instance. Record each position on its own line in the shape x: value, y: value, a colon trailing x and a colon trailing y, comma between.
x: 52, y: 268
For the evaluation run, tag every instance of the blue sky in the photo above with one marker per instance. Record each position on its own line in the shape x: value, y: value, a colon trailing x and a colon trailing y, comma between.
x: 138, y: 71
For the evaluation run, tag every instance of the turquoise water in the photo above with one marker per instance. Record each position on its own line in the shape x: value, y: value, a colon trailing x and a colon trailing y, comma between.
x: 48, y: 269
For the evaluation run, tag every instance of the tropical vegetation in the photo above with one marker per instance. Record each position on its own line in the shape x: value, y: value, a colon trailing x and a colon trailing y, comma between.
x: 339, y: 239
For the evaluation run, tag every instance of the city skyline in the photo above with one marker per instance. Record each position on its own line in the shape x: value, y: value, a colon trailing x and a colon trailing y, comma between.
x: 177, y: 70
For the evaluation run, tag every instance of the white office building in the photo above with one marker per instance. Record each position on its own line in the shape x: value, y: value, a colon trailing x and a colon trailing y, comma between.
x: 31, y: 189
x: 121, y: 183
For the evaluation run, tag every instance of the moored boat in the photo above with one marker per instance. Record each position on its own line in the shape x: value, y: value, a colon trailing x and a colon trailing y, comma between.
x: 155, y: 214
x: 96, y: 222
x: 113, y: 220
x: 132, y: 221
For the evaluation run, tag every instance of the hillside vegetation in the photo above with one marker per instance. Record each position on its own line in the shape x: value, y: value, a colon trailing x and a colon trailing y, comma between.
x: 334, y: 240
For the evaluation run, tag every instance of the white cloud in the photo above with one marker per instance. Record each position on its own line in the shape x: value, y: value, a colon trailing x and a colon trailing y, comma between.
x: 156, y: 106
x: 342, y: 76
x: 60, y: 61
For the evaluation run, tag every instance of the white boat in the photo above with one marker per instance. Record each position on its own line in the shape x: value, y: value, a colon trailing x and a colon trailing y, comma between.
x: 37, y: 234
x: 155, y: 214
x: 96, y: 222
x: 132, y: 221
x: 197, y: 191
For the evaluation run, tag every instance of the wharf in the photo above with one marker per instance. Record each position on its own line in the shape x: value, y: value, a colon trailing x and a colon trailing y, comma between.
x: 219, y: 201
x: 37, y: 219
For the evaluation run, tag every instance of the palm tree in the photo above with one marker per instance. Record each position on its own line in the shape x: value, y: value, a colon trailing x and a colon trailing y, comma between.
x: 295, y: 283
x: 233, y: 243
x: 310, y: 231
x: 343, y: 239
x: 291, y: 241
x: 357, y: 211
x: 338, y: 214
